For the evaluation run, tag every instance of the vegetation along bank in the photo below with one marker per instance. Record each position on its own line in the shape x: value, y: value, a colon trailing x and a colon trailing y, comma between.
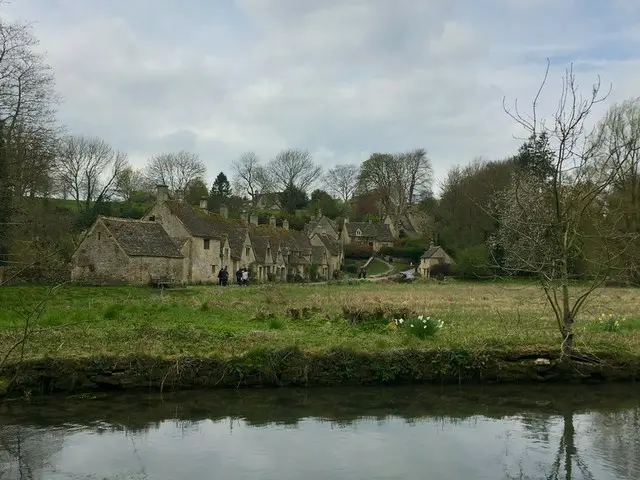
x: 87, y: 338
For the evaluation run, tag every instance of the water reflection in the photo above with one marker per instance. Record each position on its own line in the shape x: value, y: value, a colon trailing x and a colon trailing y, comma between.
x: 509, y: 433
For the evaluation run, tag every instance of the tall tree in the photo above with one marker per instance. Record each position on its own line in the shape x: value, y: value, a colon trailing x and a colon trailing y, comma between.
x: 250, y: 178
x: 176, y: 170
x: 377, y: 175
x: 220, y: 192
x: 27, y: 98
x: 89, y: 168
x: 544, y: 225
x: 196, y: 191
x: 293, y: 198
x: 342, y: 181
x: 129, y: 182
x: 294, y: 168
x: 321, y: 201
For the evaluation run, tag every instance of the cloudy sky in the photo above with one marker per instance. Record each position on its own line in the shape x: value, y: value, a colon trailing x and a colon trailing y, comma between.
x: 342, y: 78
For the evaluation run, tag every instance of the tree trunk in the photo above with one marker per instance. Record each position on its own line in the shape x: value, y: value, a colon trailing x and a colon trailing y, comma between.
x: 567, y: 324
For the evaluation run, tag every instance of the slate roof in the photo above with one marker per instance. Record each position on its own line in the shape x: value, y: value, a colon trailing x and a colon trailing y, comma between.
x: 259, y: 244
x: 382, y: 233
x: 334, y: 246
x: 197, y: 224
x: 317, y: 255
x: 141, y: 239
x: 437, y: 252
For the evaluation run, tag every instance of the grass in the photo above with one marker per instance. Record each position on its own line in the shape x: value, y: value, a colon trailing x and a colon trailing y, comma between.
x: 82, y: 322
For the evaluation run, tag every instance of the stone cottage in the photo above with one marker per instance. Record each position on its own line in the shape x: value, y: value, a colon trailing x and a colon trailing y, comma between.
x: 373, y: 236
x: 435, y: 255
x: 117, y: 250
x: 411, y: 224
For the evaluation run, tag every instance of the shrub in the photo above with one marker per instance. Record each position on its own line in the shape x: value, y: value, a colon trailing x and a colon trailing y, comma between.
x: 313, y: 272
x: 377, y: 314
x: 350, y: 268
x: 440, y: 270
x: 421, y: 326
x: 276, y: 323
x: 357, y: 252
x: 473, y: 263
x: 410, y: 253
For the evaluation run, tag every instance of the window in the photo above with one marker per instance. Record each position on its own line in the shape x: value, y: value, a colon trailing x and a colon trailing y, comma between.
x: 226, y: 253
x: 213, y: 269
x: 206, y: 244
x: 248, y: 251
x: 99, y: 236
x: 152, y: 218
x: 358, y: 233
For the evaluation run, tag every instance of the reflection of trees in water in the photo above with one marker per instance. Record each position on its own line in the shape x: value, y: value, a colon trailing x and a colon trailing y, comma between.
x: 616, y: 438
x: 25, y: 451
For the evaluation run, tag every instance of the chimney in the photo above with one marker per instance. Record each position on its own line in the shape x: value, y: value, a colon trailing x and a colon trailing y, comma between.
x: 203, y: 204
x: 162, y: 193
x: 272, y: 221
x: 224, y: 211
x: 254, y: 219
x: 319, y: 213
x: 285, y: 224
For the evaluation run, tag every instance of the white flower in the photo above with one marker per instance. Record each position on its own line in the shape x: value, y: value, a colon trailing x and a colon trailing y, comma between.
x: 428, y: 318
x: 401, y: 321
x: 420, y: 317
x: 411, y: 325
x: 396, y: 321
x: 424, y: 326
x: 424, y: 321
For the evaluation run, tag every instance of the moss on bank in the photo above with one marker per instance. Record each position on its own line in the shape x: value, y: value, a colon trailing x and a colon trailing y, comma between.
x: 294, y: 367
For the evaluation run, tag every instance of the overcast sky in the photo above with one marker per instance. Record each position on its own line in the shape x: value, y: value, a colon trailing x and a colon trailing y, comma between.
x: 342, y: 78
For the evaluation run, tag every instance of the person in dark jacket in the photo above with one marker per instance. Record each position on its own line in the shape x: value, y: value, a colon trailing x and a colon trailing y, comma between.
x: 239, y: 277
x: 225, y: 277
x: 220, y: 275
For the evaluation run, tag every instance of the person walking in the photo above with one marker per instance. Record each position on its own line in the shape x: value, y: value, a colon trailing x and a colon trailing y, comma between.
x: 245, y: 277
x: 239, y: 276
x: 225, y: 276
x: 220, y: 274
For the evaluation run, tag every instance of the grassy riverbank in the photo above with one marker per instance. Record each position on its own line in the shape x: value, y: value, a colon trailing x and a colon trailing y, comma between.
x: 268, y: 334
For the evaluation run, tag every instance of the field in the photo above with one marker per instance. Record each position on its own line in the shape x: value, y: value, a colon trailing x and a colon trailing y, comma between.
x: 205, y: 321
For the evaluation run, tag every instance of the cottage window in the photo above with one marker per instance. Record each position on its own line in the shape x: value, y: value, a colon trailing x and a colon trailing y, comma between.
x: 226, y: 253
x: 248, y: 251
x: 206, y: 243
x: 358, y: 233
x: 99, y: 236
x: 213, y: 269
x: 152, y: 218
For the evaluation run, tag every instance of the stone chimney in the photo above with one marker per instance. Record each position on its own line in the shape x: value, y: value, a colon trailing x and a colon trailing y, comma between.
x: 285, y: 224
x: 203, y: 204
x: 254, y: 219
x: 272, y: 221
x: 224, y: 211
x: 162, y: 193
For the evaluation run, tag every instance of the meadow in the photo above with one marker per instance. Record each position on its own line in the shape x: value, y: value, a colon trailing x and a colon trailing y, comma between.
x: 206, y: 321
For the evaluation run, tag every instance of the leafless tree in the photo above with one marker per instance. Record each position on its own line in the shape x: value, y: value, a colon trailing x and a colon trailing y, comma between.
x: 89, y: 168
x: 293, y: 168
x: 342, y: 181
x: 128, y: 182
x: 249, y: 177
x: 547, y: 224
x: 176, y: 170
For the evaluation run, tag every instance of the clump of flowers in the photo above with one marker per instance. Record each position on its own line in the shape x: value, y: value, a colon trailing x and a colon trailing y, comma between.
x: 421, y: 327
x: 609, y: 322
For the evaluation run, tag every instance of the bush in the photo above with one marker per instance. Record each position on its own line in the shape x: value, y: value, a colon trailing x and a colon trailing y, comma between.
x: 410, y: 253
x: 294, y: 278
x: 421, y: 327
x: 473, y: 263
x: 313, y: 273
x: 276, y: 323
x: 441, y: 270
x: 350, y: 268
x: 357, y: 252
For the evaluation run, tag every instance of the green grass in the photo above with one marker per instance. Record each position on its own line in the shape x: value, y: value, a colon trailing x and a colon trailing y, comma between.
x: 80, y: 322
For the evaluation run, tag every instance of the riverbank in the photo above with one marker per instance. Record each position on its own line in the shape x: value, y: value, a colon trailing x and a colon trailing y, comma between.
x: 88, y: 339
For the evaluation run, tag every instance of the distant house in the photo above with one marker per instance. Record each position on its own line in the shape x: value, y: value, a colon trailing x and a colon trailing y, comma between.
x: 435, y: 255
x: 374, y: 236
x: 411, y: 224
x: 334, y: 253
x: 323, y: 226
x: 117, y: 250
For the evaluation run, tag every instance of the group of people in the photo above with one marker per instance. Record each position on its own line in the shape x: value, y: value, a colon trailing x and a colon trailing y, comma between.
x: 242, y: 277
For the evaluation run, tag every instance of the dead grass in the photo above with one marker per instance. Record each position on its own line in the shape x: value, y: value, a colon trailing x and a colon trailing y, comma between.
x: 213, y: 321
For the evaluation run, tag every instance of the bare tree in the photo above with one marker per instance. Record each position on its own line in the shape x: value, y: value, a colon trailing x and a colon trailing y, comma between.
x: 89, y: 168
x: 419, y: 173
x: 294, y: 168
x: 176, y: 170
x: 249, y: 177
x: 128, y: 182
x: 547, y: 224
x: 342, y: 181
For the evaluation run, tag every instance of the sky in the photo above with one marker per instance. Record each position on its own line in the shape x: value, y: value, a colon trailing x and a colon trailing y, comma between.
x: 341, y: 78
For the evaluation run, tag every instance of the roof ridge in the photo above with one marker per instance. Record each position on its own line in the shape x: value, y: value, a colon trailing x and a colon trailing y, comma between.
x: 125, y: 220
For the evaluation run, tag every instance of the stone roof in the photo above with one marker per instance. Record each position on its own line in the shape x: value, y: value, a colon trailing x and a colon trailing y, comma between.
x: 197, y: 223
x: 437, y: 252
x: 333, y: 245
x: 287, y: 240
x: 318, y: 255
x: 259, y: 244
x: 382, y: 233
x: 141, y: 239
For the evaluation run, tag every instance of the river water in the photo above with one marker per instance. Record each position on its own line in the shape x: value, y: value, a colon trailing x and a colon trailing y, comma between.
x: 493, y: 432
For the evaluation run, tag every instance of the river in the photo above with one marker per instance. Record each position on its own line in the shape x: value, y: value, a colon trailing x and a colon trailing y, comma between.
x: 427, y: 432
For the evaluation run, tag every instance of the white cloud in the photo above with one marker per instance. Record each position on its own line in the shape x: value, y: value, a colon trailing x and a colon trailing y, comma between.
x: 341, y: 78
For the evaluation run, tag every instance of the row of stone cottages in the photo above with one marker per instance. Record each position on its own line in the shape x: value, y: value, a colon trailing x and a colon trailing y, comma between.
x: 183, y: 244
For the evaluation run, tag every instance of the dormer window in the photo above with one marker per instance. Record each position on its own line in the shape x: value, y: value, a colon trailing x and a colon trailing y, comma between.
x: 358, y: 233
x: 248, y: 251
x: 99, y: 236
